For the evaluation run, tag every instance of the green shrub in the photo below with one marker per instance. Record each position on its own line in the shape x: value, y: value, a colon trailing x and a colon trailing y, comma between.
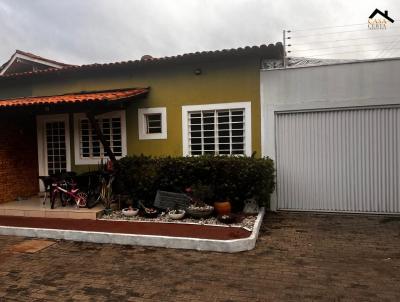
x: 235, y: 178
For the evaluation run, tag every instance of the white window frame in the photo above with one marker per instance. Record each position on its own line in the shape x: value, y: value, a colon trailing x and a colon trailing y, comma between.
x: 142, y: 123
x: 222, y: 106
x: 92, y: 161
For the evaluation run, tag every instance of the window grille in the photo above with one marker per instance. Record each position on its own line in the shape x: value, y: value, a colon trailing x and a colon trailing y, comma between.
x: 90, y: 145
x: 217, y: 132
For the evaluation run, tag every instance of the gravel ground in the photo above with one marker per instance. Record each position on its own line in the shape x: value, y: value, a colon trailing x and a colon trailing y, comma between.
x: 247, y: 223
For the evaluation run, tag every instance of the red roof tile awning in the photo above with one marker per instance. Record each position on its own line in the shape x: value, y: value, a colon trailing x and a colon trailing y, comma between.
x: 83, y: 97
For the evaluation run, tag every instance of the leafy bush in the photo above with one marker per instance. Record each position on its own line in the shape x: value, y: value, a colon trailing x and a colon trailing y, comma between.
x: 234, y: 178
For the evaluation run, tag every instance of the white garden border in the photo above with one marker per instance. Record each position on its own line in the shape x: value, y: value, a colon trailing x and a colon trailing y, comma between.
x: 227, y: 246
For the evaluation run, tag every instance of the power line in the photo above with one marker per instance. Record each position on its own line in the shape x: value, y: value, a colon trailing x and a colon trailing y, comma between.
x: 330, y: 33
x: 384, y: 50
x: 358, y: 51
x: 343, y: 40
x: 390, y: 48
x: 388, y: 39
x: 326, y: 27
x: 341, y: 46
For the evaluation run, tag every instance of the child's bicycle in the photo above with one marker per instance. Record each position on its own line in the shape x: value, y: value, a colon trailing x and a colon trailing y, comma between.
x: 68, y: 193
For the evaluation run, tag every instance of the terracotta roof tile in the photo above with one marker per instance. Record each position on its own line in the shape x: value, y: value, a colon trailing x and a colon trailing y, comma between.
x: 110, y: 95
x: 271, y: 50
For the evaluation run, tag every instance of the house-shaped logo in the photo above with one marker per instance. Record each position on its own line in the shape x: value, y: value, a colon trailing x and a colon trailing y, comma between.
x: 379, y: 20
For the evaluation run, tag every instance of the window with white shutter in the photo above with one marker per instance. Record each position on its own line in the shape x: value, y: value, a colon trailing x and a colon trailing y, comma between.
x: 88, y: 148
x: 152, y: 123
x: 220, y: 129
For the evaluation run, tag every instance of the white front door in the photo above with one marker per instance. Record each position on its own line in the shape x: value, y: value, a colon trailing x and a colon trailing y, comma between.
x: 53, y: 144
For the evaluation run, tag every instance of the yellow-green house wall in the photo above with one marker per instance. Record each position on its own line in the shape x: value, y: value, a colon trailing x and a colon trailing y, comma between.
x: 171, y: 86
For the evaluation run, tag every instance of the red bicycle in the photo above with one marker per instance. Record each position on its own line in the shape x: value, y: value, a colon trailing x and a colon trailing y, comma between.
x: 69, y: 193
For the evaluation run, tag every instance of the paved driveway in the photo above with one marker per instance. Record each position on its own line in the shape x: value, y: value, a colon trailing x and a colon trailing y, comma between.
x: 299, y: 257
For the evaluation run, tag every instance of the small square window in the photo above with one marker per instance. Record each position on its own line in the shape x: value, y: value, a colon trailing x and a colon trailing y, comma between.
x: 152, y: 123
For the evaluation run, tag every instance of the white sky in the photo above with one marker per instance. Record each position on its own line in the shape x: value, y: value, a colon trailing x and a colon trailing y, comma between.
x: 88, y: 31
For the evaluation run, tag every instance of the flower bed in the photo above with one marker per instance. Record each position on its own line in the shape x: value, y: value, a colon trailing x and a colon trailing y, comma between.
x: 247, y: 223
x: 87, y: 230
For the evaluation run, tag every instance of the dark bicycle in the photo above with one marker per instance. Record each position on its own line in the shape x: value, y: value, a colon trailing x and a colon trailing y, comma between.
x: 98, y: 187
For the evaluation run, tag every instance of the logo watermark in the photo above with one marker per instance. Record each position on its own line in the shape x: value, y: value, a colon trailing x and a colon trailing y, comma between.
x: 379, y: 20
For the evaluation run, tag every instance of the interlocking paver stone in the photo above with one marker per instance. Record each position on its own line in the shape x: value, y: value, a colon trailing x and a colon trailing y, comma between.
x: 299, y: 257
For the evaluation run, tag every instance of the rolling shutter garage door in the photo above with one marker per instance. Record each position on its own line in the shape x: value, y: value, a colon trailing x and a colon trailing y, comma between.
x: 341, y: 160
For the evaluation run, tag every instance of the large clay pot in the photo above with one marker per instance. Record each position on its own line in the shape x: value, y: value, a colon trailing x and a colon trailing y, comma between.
x: 222, y: 207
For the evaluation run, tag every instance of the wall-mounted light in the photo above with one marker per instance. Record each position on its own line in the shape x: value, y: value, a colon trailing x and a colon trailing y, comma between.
x: 198, y: 71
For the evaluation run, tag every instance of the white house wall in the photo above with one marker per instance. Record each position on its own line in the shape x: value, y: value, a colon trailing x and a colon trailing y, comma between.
x: 325, y: 88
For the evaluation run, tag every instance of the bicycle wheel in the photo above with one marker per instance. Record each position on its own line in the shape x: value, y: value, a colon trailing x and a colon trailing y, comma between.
x: 81, y: 199
x: 93, y: 200
x: 65, y: 199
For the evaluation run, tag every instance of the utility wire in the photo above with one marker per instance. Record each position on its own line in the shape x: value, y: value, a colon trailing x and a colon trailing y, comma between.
x: 392, y: 43
x: 384, y: 50
x: 326, y: 27
x: 390, y: 48
x: 343, y: 40
x: 341, y: 46
x: 358, y: 51
x: 329, y: 33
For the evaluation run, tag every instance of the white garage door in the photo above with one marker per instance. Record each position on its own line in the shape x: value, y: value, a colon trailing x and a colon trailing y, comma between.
x: 344, y: 160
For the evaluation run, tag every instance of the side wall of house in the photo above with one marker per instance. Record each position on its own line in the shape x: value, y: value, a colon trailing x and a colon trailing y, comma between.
x: 18, y: 157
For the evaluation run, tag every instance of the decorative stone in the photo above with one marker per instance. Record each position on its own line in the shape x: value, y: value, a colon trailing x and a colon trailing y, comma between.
x: 169, y: 200
x: 247, y: 222
x: 251, y: 207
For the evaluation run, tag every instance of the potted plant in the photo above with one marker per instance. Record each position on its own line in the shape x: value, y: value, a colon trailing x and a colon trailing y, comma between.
x: 198, y: 194
x: 107, y: 178
x: 130, y: 211
x: 106, y: 195
x: 223, y: 207
x: 176, y: 214
x: 148, y: 212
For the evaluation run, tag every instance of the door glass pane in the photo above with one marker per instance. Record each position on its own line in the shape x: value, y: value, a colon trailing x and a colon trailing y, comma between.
x: 56, y: 147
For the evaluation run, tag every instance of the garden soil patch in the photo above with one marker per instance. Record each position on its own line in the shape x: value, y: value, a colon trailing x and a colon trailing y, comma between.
x: 128, y: 227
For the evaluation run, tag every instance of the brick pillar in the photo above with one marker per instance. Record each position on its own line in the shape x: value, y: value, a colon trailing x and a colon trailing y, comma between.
x: 18, y: 157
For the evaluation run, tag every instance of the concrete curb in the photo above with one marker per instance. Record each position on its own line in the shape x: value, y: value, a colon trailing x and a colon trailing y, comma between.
x: 227, y: 246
